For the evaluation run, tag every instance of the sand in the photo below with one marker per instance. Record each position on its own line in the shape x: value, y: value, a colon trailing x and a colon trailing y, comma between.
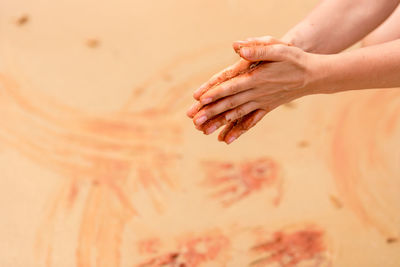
x: 99, y: 165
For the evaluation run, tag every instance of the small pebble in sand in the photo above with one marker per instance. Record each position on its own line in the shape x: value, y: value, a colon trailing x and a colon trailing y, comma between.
x: 303, y: 144
x: 22, y: 20
x: 337, y: 203
x: 93, y: 43
x: 391, y: 240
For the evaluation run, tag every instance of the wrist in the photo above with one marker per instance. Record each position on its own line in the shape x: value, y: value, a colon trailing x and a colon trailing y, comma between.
x: 320, y: 74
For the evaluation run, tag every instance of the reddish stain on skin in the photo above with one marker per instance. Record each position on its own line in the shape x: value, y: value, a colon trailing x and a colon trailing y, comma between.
x: 193, y: 251
x: 149, y: 246
x: 287, y: 249
x: 234, y: 181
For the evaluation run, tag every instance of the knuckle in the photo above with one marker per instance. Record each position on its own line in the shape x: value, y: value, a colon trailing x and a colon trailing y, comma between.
x: 253, y: 105
x: 267, y: 108
x: 229, y: 73
x: 230, y: 103
x: 240, y: 112
x: 247, y: 125
x: 279, y: 48
x: 220, y: 78
x: 208, y: 112
x: 258, y: 104
x: 221, y: 90
x: 218, y: 122
x: 296, y: 53
x: 261, y: 52
x: 215, y: 77
x: 228, y: 89
x: 241, y: 127
x: 252, y: 52
x: 234, y: 88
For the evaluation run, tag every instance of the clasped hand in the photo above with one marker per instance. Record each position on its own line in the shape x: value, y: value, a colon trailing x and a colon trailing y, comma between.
x: 270, y: 73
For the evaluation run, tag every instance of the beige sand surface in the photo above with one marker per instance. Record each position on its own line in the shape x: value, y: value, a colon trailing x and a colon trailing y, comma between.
x: 100, y: 167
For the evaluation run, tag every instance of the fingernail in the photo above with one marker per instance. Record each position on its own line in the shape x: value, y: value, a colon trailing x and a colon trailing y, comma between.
x: 206, y: 101
x: 231, y: 139
x: 200, y: 120
x: 193, y: 106
x: 192, y: 110
x: 211, y: 129
x: 245, y: 52
x: 198, y: 90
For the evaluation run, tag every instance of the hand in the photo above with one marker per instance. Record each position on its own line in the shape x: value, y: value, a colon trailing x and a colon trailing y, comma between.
x: 242, y: 66
x: 236, y: 69
x: 250, y: 95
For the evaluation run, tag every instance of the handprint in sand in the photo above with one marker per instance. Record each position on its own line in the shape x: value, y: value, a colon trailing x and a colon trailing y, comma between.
x: 302, y: 245
x: 289, y: 247
x: 117, y: 165
x: 192, y: 250
x: 230, y: 181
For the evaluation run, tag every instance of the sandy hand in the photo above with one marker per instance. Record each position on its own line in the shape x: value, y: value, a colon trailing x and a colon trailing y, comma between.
x: 229, y: 77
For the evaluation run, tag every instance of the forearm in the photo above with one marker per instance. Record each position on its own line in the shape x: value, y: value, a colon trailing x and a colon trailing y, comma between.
x: 334, y: 25
x: 365, y: 68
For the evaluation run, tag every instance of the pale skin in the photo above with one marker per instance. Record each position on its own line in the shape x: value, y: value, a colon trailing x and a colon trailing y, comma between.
x: 305, y: 61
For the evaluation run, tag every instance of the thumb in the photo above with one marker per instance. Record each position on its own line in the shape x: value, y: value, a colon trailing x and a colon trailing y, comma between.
x: 256, y: 41
x: 276, y: 52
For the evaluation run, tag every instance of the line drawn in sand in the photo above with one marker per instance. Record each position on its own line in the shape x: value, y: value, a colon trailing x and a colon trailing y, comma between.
x: 115, y: 156
x: 113, y: 161
x: 365, y: 158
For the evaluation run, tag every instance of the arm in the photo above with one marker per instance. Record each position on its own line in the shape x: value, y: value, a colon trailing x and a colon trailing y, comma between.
x: 334, y: 25
x: 291, y: 74
x: 331, y: 26
x: 365, y: 68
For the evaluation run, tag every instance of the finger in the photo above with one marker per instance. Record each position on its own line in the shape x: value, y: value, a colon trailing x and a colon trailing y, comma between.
x: 244, y: 125
x: 241, y: 111
x: 226, y: 74
x: 225, y: 104
x: 256, y: 41
x: 222, y: 134
x: 193, y: 109
x: 212, y: 125
x: 276, y: 52
x: 233, y: 86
